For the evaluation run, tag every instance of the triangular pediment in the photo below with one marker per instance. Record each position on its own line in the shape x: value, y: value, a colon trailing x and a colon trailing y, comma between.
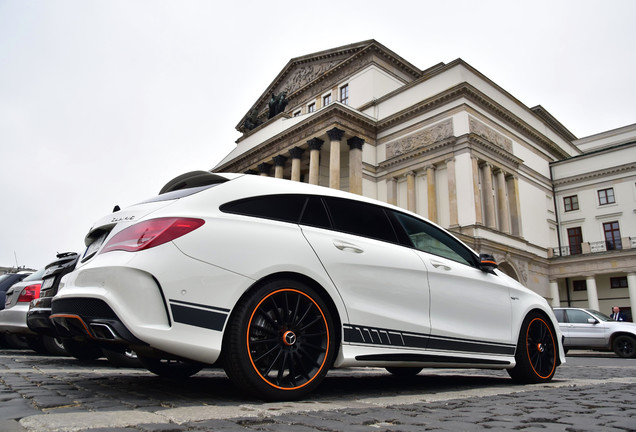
x: 300, y: 73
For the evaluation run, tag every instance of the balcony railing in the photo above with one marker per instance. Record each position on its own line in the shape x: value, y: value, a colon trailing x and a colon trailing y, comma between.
x: 595, y: 247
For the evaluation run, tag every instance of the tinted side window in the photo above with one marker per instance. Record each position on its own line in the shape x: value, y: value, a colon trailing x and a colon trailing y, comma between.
x: 577, y: 316
x: 430, y: 239
x: 559, y: 314
x: 360, y: 218
x: 315, y: 214
x: 286, y: 208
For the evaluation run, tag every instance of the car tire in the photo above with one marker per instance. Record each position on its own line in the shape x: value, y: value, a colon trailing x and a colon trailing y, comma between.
x: 404, y: 372
x: 15, y: 341
x: 624, y: 346
x: 125, y: 358
x: 280, y: 341
x: 35, y: 343
x: 53, y: 346
x: 170, y: 368
x: 83, y: 351
x: 537, y: 351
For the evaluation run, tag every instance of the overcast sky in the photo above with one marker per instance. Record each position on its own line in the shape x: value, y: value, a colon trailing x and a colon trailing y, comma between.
x: 103, y: 102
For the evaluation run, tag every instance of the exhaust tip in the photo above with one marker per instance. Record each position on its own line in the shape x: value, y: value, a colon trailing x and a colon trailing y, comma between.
x: 103, y: 331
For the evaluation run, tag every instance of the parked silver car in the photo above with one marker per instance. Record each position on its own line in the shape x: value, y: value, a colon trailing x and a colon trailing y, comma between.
x: 590, y: 329
x: 13, y: 316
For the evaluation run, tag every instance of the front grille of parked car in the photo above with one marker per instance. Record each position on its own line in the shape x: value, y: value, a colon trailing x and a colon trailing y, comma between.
x: 84, y: 307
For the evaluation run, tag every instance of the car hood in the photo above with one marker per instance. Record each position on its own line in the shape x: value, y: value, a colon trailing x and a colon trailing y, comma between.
x: 621, y: 326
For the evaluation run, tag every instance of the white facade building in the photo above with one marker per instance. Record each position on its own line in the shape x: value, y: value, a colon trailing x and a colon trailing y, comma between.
x: 449, y: 144
x: 595, y: 195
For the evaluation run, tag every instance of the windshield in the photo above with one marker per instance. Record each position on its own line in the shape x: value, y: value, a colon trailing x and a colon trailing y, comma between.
x: 598, y: 315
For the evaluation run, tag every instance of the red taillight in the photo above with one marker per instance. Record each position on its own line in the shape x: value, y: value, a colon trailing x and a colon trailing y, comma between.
x: 151, y: 233
x: 29, y: 293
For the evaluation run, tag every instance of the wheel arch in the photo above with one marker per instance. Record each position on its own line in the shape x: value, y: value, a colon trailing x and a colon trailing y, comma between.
x: 550, y: 322
x: 614, y: 335
x: 324, y: 295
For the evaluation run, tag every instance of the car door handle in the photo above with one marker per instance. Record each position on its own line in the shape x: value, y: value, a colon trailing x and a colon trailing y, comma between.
x: 345, y: 246
x: 438, y: 264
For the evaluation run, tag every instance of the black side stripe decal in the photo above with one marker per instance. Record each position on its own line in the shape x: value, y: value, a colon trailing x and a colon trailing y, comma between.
x: 376, y: 336
x: 201, y: 316
x: 426, y: 358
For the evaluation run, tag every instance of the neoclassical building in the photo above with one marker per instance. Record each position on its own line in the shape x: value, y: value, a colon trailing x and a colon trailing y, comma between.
x: 449, y: 144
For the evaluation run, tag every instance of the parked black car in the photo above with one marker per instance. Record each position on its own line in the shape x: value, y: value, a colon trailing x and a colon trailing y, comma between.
x: 40, y: 311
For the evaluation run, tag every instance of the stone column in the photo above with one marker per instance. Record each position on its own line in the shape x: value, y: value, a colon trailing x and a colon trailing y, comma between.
x: 554, y: 292
x: 431, y: 193
x: 592, y: 293
x: 279, y: 166
x: 264, y: 169
x: 452, y: 191
x: 335, y: 135
x: 515, y: 205
x: 503, y: 208
x: 355, y: 164
x: 489, y: 199
x: 631, y: 289
x: 296, y: 153
x: 391, y: 190
x: 410, y: 191
x: 479, y: 220
x: 314, y: 159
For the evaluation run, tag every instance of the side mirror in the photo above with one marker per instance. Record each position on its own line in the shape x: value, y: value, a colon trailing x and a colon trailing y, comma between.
x: 592, y: 321
x: 487, y: 263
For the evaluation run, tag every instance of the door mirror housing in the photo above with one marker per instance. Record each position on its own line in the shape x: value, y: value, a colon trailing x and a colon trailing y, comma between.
x: 487, y: 263
x: 592, y: 321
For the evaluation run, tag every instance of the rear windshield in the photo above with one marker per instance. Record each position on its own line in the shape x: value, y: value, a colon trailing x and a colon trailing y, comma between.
x: 35, y: 276
x: 169, y: 196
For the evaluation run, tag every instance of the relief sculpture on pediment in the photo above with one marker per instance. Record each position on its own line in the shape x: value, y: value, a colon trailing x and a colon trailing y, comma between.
x: 426, y: 137
x: 490, y: 135
x: 305, y: 74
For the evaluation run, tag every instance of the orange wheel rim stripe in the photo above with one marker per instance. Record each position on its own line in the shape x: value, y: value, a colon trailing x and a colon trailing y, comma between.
x: 248, y: 339
x: 528, y: 352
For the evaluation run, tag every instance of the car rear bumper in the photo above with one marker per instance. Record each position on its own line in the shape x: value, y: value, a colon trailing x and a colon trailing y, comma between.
x: 13, y: 320
x: 37, y: 318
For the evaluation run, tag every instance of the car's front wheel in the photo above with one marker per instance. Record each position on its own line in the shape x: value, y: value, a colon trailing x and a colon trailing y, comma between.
x: 280, y: 341
x: 537, y: 351
x: 625, y: 346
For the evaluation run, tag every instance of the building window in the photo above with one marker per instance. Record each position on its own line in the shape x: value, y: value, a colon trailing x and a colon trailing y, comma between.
x: 575, y: 238
x: 571, y: 203
x: 311, y: 107
x: 579, y: 285
x: 606, y: 196
x: 297, y: 113
x: 344, y: 94
x: 326, y: 100
x: 612, y: 236
x: 618, y: 282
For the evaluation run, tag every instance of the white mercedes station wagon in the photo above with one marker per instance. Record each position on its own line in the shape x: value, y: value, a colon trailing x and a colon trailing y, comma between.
x: 278, y: 281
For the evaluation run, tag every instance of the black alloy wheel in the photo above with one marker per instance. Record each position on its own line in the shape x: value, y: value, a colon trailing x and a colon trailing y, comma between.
x: 624, y: 346
x: 537, y: 351
x: 280, y: 343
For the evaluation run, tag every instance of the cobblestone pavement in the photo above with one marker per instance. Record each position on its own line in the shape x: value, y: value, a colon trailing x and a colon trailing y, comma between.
x: 592, y: 392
